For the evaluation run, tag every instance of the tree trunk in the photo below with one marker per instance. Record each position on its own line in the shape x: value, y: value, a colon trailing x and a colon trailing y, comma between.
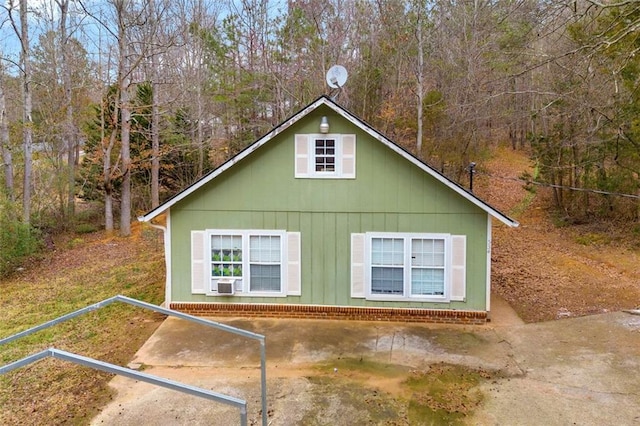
x: 420, y: 87
x: 155, y: 115
x: 125, y: 113
x: 199, y: 136
x: 108, y: 211
x: 125, y: 203
x: 7, y: 157
x: 26, y: 113
x: 106, y: 175
x: 155, y: 147
x: 69, y: 127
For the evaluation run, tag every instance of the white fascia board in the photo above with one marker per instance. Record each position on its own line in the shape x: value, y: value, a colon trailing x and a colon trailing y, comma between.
x: 458, y: 189
x: 168, y: 269
x: 356, y: 122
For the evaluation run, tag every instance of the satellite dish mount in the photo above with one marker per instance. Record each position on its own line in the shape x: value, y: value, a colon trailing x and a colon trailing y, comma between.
x: 336, y: 78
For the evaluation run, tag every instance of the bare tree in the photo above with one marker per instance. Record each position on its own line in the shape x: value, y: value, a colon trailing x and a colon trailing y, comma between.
x: 124, y: 78
x: 7, y: 156
x: 126, y: 18
x: 70, y: 130
x: 21, y: 30
x: 155, y: 115
x: 421, y: 17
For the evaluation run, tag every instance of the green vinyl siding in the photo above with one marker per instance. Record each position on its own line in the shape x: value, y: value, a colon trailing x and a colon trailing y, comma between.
x: 389, y: 194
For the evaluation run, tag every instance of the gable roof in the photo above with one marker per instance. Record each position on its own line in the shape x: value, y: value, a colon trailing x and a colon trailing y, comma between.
x: 324, y: 100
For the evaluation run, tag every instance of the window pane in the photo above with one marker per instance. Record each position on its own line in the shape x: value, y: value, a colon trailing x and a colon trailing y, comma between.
x: 264, y: 249
x: 265, y: 259
x: 387, y: 281
x: 427, y: 252
x: 325, y: 155
x: 265, y: 278
x: 226, y: 255
x: 427, y: 282
x: 387, y: 251
x: 376, y: 251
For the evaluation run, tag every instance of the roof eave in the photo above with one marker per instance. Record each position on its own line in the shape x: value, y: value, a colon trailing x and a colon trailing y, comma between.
x: 323, y: 100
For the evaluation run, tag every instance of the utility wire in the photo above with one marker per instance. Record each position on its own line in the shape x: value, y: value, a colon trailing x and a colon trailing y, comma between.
x: 551, y: 185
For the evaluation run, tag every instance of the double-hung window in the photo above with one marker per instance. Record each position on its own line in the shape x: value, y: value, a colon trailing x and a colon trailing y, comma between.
x: 408, y: 266
x: 263, y: 263
x: 251, y: 260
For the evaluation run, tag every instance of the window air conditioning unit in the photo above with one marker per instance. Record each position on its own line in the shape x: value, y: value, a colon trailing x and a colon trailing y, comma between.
x: 226, y: 286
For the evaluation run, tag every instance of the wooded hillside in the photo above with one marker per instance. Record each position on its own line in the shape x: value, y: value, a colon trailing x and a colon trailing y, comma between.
x: 124, y: 102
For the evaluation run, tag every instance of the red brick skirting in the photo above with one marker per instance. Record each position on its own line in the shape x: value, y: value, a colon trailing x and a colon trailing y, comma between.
x: 332, y: 312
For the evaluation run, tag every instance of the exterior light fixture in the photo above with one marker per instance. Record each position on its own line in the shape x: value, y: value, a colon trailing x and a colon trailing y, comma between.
x: 324, y: 125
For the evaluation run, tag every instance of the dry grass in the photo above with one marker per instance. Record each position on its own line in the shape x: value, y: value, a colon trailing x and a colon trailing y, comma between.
x: 80, y: 272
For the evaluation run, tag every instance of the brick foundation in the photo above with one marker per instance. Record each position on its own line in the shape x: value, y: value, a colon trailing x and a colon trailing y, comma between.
x: 443, y: 316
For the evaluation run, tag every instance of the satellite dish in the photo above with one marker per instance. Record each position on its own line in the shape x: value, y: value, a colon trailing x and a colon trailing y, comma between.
x: 337, y: 76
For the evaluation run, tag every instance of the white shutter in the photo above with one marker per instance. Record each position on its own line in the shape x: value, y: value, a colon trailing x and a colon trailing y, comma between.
x: 357, y: 265
x: 458, y: 267
x: 349, y: 156
x: 302, y: 156
x: 293, y: 264
x: 198, y: 262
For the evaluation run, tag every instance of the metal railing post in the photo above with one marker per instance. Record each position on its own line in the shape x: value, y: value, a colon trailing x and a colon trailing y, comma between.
x: 263, y: 380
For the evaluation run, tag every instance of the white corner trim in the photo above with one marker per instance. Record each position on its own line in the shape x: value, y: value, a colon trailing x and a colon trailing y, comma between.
x: 166, y: 235
x: 488, y: 279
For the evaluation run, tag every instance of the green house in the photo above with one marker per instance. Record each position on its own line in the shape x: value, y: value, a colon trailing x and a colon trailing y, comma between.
x: 324, y: 217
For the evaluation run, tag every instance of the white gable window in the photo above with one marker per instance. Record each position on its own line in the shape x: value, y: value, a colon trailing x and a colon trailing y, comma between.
x: 331, y: 156
x: 402, y: 266
x: 245, y: 263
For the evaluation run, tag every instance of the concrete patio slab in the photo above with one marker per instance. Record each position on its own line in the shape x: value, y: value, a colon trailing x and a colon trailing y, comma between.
x: 570, y: 371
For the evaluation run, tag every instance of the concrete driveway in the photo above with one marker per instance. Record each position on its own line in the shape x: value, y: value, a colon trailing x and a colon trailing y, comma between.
x: 573, y: 371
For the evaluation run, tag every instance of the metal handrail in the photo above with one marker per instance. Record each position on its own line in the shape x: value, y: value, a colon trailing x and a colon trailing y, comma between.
x: 56, y: 353
x: 132, y: 374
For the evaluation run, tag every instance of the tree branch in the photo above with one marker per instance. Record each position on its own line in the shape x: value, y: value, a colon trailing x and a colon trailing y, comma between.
x: 610, y: 5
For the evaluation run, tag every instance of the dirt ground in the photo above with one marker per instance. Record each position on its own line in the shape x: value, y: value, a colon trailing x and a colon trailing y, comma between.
x: 548, y: 272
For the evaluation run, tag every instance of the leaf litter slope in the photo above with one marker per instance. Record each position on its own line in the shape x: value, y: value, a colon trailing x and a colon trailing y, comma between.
x: 548, y: 272
x: 79, y: 272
